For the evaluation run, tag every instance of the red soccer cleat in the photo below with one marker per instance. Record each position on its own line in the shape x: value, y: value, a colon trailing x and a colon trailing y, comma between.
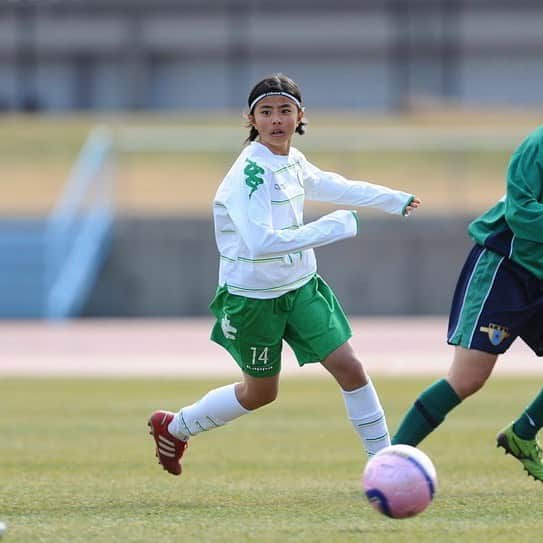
x: 169, y: 449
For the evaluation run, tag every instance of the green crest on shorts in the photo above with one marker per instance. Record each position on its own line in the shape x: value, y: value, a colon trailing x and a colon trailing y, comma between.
x: 253, y: 172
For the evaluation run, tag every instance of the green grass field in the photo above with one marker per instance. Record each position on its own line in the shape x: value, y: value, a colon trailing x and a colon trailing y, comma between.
x: 78, y: 466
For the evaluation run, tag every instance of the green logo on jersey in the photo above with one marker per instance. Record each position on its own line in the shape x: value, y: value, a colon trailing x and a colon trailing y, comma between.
x: 253, y: 171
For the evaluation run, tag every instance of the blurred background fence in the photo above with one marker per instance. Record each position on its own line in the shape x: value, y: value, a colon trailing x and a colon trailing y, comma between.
x: 430, y: 96
x: 163, y: 54
x: 50, y: 265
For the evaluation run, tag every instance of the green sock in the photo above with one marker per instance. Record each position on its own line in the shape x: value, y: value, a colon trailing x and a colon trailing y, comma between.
x: 427, y: 413
x: 529, y: 423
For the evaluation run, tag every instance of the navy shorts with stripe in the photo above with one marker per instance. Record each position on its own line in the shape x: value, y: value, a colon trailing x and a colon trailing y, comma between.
x: 496, y: 301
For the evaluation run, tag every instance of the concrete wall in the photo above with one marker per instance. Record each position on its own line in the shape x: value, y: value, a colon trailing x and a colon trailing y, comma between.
x: 168, y: 267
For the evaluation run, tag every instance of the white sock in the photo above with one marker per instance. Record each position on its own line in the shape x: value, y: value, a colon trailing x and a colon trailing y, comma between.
x: 215, y: 409
x: 367, y: 417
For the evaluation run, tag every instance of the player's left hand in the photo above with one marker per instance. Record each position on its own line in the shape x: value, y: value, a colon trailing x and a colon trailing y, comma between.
x: 412, y: 206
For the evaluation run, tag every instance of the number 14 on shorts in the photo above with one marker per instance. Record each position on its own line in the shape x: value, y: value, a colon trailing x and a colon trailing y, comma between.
x: 259, y: 355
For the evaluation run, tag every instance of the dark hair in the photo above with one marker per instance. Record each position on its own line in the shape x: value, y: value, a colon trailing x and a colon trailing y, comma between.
x: 274, y: 83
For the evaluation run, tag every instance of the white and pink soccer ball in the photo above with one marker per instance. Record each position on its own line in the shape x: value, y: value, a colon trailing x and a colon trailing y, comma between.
x: 400, y: 481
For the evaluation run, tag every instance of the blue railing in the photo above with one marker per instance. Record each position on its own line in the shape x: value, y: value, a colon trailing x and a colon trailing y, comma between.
x: 48, y: 266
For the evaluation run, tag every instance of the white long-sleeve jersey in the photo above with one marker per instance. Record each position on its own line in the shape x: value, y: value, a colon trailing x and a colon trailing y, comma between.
x: 265, y: 248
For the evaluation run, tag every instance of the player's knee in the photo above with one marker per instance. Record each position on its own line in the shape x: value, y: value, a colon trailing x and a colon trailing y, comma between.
x: 469, y: 385
x: 478, y: 382
x: 350, y: 374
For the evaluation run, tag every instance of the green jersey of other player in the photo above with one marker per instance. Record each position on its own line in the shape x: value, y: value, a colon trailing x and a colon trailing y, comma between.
x: 514, y: 226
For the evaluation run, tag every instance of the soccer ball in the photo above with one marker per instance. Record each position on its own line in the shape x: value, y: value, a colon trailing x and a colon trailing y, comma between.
x: 399, y: 481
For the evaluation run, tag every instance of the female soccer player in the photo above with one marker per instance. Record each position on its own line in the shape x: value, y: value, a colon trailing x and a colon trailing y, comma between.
x: 498, y: 297
x: 269, y: 290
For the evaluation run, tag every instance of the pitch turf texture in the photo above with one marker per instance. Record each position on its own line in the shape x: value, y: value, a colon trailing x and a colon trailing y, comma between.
x: 77, y: 465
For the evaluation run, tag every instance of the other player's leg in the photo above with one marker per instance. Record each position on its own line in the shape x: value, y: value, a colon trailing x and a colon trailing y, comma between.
x: 519, y: 438
x: 469, y: 371
x: 483, y: 285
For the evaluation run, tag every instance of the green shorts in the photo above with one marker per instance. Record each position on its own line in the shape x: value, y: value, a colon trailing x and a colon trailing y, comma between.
x: 310, y: 319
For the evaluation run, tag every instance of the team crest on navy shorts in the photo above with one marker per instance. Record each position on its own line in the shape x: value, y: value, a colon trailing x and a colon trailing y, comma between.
x: 496, y: 333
